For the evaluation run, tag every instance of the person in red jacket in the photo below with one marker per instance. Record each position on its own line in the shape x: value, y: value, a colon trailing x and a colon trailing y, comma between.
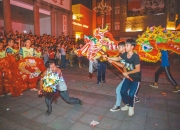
x: 51, y: 54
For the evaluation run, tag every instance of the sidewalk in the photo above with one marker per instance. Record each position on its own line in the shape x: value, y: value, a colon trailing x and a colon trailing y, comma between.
x: 158, y: 109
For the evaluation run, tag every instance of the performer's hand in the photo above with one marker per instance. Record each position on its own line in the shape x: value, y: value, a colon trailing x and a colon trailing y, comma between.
x: 40, y: 92
x: 110, y: 61
x: 126, y: 74
x: 104, y: 56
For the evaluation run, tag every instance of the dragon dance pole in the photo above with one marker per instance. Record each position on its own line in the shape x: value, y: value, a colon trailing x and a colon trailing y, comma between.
x: 119, y: 69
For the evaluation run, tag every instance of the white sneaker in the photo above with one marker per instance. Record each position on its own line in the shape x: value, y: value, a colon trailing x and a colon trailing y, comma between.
x: 21, y: 94
x: 131, y: 111
x: 34, y: 89
x: 2, y: 95
x: 9, y: 94
x: 125, y: 108
x: 153, y: 86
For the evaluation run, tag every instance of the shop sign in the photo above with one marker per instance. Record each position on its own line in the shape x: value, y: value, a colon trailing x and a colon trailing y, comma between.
x: 65, y: 24
x: 79, y: 24
x: 61, y: 3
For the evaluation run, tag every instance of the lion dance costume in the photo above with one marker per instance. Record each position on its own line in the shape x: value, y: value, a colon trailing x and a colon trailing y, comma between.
x: 16, y: 77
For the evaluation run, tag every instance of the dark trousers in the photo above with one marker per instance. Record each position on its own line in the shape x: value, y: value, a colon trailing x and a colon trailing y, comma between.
x: 57, y: 61
x: 168, y: 73
x: 132, y: 86
x: 63, y: 61
x: 101, y: 71
x: 64, y: 96
x: 48, y: 100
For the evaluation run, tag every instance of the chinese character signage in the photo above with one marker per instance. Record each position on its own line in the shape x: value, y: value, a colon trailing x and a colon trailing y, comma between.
x: 61, y: 3
x: 65, y: 24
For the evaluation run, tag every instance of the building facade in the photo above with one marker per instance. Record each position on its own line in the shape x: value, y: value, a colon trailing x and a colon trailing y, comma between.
x: 40, y: 16
x: 128, y: 18
x: 82, y: 17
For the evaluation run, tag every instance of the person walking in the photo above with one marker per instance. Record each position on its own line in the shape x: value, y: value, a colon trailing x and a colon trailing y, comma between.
x: 165, y: 67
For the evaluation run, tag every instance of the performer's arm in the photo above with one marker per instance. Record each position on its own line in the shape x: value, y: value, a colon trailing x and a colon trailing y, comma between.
x: 41, y: 82
x: 8, y: 51
x: 59, y: 72
x: 137, y: 69
x: 117, y: 63
x: 114, y: 58
x: 21, y: 53
x: 125, y: 70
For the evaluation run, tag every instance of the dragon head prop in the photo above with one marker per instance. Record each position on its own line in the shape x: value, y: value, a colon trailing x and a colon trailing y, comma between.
x: 155, y: 39
x: 102, y: 42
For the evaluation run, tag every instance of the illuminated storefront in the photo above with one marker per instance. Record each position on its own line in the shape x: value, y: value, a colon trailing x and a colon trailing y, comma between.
x: 82, y: 17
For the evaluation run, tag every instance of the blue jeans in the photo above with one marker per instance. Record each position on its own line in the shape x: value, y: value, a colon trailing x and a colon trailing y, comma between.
x: 101, y: 71
x: 63, y: 61
x: 64, y: 96
x: 118, y: 95
x: 132, y: 86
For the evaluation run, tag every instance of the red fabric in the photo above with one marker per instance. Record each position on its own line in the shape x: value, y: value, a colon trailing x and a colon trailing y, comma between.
x: 17, y: 75
x: 51, y: 54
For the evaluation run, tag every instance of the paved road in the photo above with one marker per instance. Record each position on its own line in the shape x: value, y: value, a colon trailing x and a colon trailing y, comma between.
x: 158, y: 109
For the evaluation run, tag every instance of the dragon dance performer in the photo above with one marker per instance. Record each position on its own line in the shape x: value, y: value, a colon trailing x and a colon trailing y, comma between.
x: 27, y: 51
x: 2, y: 55
x: 52, y: 70
x: 165, y: 66
x: 9, y: 49
x: 116, y: 60
x: 16, y: 49
x: 38, y: 52
x: 131, y: 69
x: 101, y: 70
x: 2, y: 52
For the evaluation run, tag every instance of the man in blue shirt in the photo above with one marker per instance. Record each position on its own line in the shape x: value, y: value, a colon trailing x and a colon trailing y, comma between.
x: 165, y: 66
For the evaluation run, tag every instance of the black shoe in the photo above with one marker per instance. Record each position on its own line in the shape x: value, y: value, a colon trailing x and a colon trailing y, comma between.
x: 47, y: 113
x: 137, y: 100
x: 115, y: 108
x: 81, y: 102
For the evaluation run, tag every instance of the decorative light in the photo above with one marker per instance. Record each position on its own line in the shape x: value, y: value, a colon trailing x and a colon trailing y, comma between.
x: 135, y: 30
x: 79, y: 24
x: 77, y: 16
x: 170, y: 28
x: 102, y: 8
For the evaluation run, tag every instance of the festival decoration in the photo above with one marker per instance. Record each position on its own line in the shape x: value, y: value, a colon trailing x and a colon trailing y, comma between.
x: 16, y: 77
x: 30, y: 69
x: 155, y: 39
x: 50, y: 81
x: 102, y: 42
x: 6, y: 67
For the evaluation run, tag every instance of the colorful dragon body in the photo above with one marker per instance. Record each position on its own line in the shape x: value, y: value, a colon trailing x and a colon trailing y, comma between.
x: 102, y: 42
x: 155, y: 39
x: 149, y: 44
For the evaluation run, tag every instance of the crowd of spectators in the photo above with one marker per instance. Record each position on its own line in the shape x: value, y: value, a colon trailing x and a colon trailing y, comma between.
x: 61, y: 48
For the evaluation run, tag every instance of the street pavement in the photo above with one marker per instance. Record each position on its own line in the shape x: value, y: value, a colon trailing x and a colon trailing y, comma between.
x: 158, y: 109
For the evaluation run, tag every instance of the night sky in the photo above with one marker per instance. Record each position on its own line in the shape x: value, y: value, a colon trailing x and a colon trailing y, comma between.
x: 87, y: 3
